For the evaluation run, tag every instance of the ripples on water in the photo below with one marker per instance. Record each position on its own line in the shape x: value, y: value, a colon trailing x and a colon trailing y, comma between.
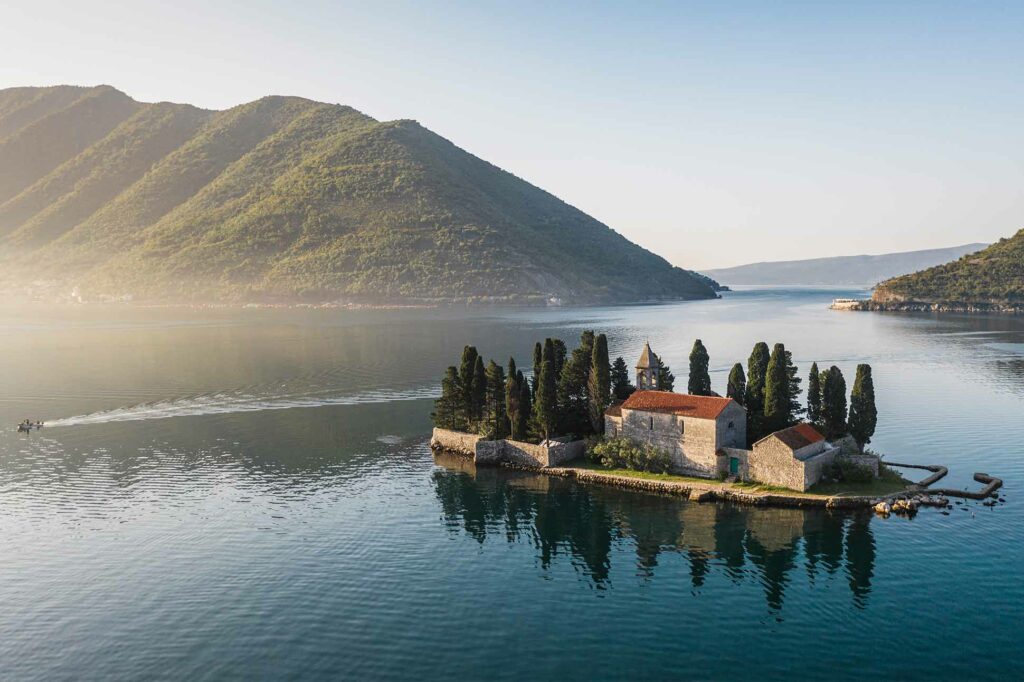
x: 250, y: 494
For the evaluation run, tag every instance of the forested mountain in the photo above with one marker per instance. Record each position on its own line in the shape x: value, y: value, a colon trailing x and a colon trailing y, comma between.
x: 840, y: 269
x: 991, y: 277
x: 286, y: 199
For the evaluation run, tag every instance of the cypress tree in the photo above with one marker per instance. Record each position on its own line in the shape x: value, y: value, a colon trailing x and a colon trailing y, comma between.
x: 513, y: 397
x: 466, y: 369
x: 757, y: 368
x: 737, y: 388
x: 537, y: 352
x: 700, y: 381
x: 478, y: 398
x: 863, y: 413
x: 494, y: 410
x: 833, y: 403
x: 560, y: 354
x: 545, y: 407
x: 447, y: 407
x: 525, y: 407
x: 622, y: 387
x: 600, y: 385
x: 814, y: 395
x: 776, y: 391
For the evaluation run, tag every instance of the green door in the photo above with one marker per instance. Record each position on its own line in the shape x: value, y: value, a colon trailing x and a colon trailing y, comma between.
x: 734, y: 465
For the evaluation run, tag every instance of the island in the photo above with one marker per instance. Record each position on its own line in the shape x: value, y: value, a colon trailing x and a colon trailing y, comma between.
x: 581, y: 416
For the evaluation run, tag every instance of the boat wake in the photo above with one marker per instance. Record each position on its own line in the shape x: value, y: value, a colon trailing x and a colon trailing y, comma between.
x: 225, y: 403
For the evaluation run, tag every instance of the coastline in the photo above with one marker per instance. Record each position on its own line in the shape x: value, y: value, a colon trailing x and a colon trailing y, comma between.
x: 925, y: 307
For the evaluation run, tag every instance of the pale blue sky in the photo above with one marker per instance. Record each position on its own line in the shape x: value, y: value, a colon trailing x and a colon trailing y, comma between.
x: 712, y: 133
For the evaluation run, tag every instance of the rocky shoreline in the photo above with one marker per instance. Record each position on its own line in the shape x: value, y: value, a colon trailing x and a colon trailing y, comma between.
x: 926, y: 307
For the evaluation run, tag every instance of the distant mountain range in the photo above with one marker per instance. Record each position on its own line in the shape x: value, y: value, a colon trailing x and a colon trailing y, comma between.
x: 287, y: 200
x: 840, y: 270
x: 992, y: 278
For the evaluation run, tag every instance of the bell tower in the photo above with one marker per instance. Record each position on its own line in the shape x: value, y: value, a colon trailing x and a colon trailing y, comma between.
x: 647, y: 369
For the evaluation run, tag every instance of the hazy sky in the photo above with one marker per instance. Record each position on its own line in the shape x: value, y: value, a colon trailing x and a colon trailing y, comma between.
x: 712, y: 133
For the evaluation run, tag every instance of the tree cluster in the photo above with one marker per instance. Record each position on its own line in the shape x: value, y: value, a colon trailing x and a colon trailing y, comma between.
x: 568, y: 393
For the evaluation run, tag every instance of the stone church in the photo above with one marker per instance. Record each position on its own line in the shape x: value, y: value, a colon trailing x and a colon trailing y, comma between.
x: 706, y: 435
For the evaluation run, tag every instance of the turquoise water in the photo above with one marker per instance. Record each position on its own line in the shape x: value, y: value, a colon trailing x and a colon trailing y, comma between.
x: 249, y: 494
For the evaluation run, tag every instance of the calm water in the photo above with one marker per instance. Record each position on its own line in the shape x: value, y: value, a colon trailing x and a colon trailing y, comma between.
x: 249, y: 494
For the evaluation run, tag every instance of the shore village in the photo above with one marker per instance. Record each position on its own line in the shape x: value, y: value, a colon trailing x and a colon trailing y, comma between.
x: 691, y: 434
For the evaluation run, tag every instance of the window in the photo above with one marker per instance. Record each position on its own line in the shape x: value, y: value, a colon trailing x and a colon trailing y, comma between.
x: 732, y: 425
x: 682, y: 427
x: 652, y: 424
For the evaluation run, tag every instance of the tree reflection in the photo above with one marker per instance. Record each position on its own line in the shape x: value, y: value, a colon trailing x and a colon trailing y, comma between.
x: 743, y: 544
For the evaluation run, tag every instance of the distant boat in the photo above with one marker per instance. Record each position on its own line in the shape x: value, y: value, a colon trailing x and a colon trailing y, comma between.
x: 846, y: 303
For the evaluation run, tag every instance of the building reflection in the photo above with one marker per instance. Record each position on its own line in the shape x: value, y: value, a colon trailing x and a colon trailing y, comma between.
x: 771, y: 547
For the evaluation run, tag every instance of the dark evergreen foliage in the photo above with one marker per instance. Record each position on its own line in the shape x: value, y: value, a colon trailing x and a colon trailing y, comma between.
x: 513, y: 400
x: 814, y: 396
x: 599, y: 389
x: 467, y: 367
x: 478, y: 394
x: 700, y: 380
x: 737, y: 387
x: 538, y: 350
x: 622, y: 386
x: 776, y: 391
x: 495, y: 415
x: 522, y: 428
x: 448, y: 408
x: 863, y: 413
x: 545, y: 407
x: 757, y: 369
x: 573, y: 388
x: 666, y: 379
x: 833, y: 403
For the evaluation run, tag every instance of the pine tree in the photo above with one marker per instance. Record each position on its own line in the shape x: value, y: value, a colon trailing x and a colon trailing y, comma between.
x: 757, y: 368
x: 513, y: 399
x: 622, y: 387
x: 700, y: 381
x: 573, y: 387
x: 833, y: 403
x: 776, y: 391
x: 478, y: 397
x: 537, y: 352
x: 666, y: 379
x: 814, y: 396
x: 545, y: 407
x: 466, y: 369
x: 796, y: 409
x: 447, y: 407
x: 863, y: 413
x: 599, y: 389
x: 525, y: 407
x: 737, y: 388
x: 496, y: 421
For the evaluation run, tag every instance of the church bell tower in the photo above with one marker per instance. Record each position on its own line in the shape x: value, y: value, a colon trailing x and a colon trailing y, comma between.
x: 647, y: 369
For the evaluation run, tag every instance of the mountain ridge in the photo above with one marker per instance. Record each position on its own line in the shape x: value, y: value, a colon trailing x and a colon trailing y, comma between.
x: 287, y: 199
x: 865, y: 269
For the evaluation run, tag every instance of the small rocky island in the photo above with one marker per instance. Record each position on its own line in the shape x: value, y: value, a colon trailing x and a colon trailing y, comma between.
x: 580, y: 415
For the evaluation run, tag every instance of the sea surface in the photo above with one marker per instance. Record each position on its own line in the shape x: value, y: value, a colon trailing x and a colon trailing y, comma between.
x: 249, y: 494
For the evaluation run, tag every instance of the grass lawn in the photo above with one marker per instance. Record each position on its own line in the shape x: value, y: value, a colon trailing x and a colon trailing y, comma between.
x: 888, y: 482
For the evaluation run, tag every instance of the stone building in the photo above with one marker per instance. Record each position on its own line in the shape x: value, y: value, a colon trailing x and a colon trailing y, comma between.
x: 793, y: 458
x: 693, y: 429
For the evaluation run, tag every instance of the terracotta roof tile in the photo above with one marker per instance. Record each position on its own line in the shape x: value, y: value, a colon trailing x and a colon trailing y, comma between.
x: 683, y: 404
x: 799, y: 436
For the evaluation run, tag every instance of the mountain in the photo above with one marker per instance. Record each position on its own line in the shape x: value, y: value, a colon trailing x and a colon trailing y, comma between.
x: 287, y: 200
x: 857, y: 270
x: 989, y: 279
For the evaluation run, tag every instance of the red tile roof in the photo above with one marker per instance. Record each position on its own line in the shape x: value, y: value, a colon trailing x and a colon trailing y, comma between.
x: 799, y: 436
x: 683, y: 404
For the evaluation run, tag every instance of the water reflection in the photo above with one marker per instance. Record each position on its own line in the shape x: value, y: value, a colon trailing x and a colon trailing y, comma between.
x: 588, y: 525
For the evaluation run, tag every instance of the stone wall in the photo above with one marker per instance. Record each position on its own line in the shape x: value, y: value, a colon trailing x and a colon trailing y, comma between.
x: 454, y: 441
x: 815, y: 466
x: 506, y: 451
x: 742, y: 455
x: 869, y: 461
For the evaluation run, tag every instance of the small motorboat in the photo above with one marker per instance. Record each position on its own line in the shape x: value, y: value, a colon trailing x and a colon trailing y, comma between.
x: 27, y: 426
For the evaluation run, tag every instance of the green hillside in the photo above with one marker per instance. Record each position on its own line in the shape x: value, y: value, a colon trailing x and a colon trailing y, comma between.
x: 993, y: 276
x: 285, y: 199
